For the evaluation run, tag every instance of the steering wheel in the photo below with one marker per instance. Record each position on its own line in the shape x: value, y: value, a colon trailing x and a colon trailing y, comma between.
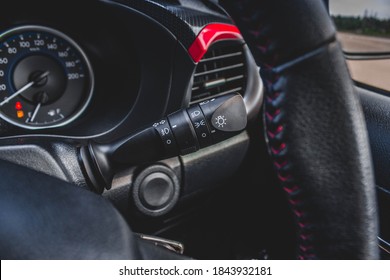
x: 315, y: 133
x: 315, y: 129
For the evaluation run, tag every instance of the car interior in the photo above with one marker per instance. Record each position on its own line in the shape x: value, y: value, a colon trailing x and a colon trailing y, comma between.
x: 177, y: 129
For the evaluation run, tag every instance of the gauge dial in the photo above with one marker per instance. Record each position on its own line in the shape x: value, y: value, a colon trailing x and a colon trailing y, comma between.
x: 46, y: 80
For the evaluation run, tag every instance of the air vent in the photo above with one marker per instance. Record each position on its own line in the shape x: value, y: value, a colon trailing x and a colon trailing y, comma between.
x: 222, y: 70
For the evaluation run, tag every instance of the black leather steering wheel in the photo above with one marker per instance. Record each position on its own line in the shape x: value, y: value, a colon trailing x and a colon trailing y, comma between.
x: 316, y: 136
x: 315, y: 128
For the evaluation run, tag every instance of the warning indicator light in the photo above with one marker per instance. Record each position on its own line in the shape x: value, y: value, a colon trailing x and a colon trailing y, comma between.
x: 20, y: 114
x: 18, y: 106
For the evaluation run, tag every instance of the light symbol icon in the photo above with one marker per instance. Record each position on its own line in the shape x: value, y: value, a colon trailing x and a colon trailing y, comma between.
x: 220, y: 121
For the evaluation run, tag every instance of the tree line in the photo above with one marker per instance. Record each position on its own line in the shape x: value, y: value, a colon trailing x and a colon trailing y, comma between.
x: 367, y: 25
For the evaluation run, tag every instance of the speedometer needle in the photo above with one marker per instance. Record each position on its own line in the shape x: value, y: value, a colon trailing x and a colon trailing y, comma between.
x: 26, y: 87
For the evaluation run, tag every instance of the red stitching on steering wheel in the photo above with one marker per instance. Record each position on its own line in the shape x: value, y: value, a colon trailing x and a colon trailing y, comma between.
x: 264, y: 51
x: 279, y: 153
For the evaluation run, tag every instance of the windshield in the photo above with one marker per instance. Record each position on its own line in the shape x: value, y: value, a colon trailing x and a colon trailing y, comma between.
x: 363, y: 25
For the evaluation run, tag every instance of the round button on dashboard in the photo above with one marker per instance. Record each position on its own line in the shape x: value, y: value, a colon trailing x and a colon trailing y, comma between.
x: 156, y: 190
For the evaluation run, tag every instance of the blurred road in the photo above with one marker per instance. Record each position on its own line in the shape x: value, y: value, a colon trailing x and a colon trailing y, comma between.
x: 360, y: 43
x: 374, y: 72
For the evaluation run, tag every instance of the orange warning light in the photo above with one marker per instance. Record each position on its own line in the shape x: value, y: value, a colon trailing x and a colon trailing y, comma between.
x: 20, y: 114
x: 18, y: 106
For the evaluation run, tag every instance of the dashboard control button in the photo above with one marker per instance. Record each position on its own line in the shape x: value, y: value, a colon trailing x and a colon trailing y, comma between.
x: 155, y: 190
x: 200, y: 125
x: 184, y: 132
x: 165, y: 131
x: 231, y: 116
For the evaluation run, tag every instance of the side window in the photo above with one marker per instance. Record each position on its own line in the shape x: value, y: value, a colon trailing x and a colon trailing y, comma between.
x: 364, y: 31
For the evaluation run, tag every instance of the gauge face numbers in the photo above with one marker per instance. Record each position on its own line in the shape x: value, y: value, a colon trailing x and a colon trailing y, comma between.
x: 46, y: 80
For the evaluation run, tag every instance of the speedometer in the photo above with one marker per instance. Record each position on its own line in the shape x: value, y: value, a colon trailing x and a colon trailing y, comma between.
x: 46, y: 80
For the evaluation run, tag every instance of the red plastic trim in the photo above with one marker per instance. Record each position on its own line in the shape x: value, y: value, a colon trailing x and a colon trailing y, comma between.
x: 210, y: 34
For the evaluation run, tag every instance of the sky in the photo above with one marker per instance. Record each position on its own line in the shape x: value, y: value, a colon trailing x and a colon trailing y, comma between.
x: 381, y: 8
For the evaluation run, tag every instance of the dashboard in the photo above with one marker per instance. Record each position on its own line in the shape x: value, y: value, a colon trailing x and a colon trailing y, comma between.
x: 79, y: 78
x: 91, y: 74
x: 85, y: 78
x: 76, y: 77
